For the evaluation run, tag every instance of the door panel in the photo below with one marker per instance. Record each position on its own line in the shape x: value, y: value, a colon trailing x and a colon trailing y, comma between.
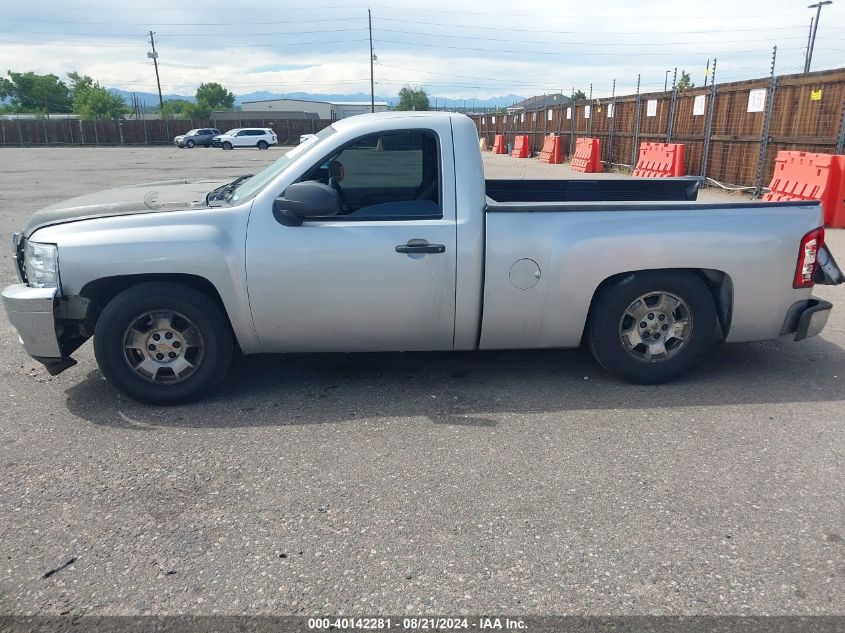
x: 341, y: 286
x: 378, y: 284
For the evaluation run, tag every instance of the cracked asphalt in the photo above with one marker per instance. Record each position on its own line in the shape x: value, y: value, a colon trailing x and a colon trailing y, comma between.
x: 503, y: 482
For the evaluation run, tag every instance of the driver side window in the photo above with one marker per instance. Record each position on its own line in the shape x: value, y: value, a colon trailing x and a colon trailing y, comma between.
x: 387, y: 176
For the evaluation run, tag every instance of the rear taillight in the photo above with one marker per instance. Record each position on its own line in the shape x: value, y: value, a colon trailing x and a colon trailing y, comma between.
x: 805, y: 270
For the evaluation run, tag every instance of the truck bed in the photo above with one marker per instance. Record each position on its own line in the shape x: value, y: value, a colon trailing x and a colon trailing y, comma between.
x: 683, y: 189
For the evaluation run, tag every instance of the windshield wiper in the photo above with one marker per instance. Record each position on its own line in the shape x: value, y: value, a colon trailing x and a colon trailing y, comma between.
x: 224, y: 190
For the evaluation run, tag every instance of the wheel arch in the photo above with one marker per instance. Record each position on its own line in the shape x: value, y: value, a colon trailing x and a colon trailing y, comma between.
x: 100, y: 292
x: 718, y: 282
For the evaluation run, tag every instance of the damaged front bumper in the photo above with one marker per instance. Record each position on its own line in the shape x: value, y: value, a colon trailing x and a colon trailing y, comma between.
x: 32, y: 311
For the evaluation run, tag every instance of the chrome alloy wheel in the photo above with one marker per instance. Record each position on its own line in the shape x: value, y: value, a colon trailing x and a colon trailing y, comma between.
x: 656, y: 326
x: 163, y: 346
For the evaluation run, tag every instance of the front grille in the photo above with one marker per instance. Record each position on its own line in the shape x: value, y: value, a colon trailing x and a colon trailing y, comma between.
x: 17, y: 246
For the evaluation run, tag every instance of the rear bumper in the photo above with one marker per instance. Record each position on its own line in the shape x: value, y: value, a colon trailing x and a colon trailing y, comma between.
x: 806, y: 318
x: 813, y: 318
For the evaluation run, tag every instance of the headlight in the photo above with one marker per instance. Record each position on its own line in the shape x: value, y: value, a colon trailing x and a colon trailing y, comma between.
x: 41, y: 262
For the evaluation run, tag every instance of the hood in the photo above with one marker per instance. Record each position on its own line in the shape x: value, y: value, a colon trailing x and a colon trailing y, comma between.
x: 150, y: 197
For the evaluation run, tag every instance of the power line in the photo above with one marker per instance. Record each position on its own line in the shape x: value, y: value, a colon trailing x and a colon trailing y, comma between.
x: 217, y: 35
x: 651, y: 44
x: 560, y: 53
x: 581, y: 32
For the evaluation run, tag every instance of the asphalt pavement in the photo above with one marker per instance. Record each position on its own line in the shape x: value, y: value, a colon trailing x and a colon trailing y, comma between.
x: 502, y: 482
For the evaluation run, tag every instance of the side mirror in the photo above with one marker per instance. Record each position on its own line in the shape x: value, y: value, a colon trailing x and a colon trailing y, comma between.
x: 306, y: 200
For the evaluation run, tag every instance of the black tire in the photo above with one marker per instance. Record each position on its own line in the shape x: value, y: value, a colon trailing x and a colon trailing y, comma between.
x: 227, y: 145
x: 189, y: 144
x: 122, y: 311
x: 604, y: 334
x: 262, y: 145
x: 207, y: 145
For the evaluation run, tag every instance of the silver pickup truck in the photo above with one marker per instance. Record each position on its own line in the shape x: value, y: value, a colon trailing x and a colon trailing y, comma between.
x: 381, y: 234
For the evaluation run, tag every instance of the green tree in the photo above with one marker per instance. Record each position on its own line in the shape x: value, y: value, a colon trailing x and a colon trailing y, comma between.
x: 28, y: 92
x: 176, y: 109
x: 199, y: 110
x: 210, y: 97
x: 215, y: 96
x: 578, y: 97
x: 684, y: 82
x: 413, y: 99
x: 92, y: 101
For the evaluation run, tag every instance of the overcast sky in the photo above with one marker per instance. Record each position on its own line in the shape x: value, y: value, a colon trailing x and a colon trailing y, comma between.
x: 454, y: 48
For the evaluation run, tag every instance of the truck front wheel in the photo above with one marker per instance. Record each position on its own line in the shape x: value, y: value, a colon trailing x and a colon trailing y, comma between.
x: 162, y: 343
x: 651, y: 326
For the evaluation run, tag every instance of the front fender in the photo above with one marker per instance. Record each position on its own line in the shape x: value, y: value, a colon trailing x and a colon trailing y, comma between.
x: 206, y: 243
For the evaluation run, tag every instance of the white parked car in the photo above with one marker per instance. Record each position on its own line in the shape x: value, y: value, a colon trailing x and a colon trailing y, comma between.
x: 260, y: 137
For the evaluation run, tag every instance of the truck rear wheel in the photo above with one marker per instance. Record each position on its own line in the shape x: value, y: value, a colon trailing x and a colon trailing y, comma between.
x: 162, y: 343
x: 650, y: 327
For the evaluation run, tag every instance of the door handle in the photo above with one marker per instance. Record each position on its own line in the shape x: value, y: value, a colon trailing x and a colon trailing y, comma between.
x: 420, y: 248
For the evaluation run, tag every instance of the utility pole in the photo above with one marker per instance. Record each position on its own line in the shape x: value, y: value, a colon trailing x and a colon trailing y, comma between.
x: 807, y: 50
x: 818, y: 7
x: 154, y: 56
x: 372, y: 57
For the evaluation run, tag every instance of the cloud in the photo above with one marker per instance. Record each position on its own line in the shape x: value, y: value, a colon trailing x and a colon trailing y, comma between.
x: 454, y: 49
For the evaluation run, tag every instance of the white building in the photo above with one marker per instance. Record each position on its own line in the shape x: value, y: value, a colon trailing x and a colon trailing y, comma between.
x: 330, y: 110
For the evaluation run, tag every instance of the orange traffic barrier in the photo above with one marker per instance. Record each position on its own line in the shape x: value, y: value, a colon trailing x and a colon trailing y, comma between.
x: 551, y: 152
x: 806, y: 176
x: 587, y: 157
x: 521, y: 147
x: 499, y: 146
x: 660, y: 160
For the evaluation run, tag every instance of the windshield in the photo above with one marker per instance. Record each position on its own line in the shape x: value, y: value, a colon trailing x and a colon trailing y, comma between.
x: 231, y: 132
x: 255, y: 184
x: 191, y: 132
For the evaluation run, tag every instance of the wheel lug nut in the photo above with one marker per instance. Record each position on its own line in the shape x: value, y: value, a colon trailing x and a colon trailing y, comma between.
x: 168, y: 336
x: 151, y: 347
x: 665, y: 327
x: 651, y: 315
x: 645, y: 334
x: 643, y: 324
x: 172, y: 354
x: 657, y: 335
x: 160, y: 356
x: 662, y: 317
x: 176, y: 344
x: 156, y: 337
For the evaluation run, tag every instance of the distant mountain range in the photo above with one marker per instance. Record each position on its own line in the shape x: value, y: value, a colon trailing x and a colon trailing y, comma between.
x: 151, y: 98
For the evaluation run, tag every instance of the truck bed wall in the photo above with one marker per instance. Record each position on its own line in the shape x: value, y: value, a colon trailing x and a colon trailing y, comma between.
x: 755, y: 244
x: 593, y: 190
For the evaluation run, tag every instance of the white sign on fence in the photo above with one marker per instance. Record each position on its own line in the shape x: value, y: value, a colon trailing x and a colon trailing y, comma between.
x: 757, y: 100
x: 609, y: 110
x: 568, y: 113
x: 533, y: 117
x: 651, y: 107
x: 586, y: 112
x: 549, y: 115
x: 483, y: 120
x: 698, y: 105
x: 522, y: 118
